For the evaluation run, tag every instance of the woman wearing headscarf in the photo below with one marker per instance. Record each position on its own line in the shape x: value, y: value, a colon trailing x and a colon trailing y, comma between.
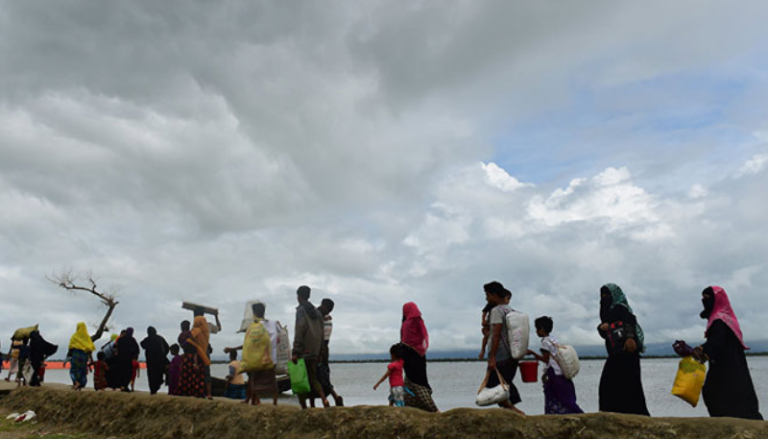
x: 127, y: 353
x: 156, y: 352
x: 39, y: 350
x: 80, y: 352
x: 110, y: 352
x: 621, y: 386
x: 192, y: 379
x: 728, y: 390
x: 415, y: 340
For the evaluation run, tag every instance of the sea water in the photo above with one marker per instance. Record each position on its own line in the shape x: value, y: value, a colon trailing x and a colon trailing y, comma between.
x: 455, y: 385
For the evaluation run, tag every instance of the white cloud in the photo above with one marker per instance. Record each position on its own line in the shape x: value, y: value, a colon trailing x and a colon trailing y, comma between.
x: 753, y: 166
x: 220, y: 153
x: 697, y: 191
x: 609, y: 196
x: 500, y: 179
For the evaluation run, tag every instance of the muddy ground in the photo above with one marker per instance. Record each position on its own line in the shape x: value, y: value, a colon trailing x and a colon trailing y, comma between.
x: 141, y: 416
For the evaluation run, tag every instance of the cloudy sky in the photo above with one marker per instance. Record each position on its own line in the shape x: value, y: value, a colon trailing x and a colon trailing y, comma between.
x: 382, y: 153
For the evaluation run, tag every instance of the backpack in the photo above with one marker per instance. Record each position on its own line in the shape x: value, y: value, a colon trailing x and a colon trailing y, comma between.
x: 257, y: 349
x: 568, y: 360
x: 518, y: 331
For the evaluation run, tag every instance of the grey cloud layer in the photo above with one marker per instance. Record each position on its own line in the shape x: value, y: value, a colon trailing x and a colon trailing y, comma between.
x: 191, y: 151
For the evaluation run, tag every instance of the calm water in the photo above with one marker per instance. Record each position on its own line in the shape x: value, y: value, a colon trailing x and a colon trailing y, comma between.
x: 456, y: 384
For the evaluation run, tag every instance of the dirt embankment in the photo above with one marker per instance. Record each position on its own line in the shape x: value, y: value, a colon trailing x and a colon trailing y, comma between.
x: 141, y: 416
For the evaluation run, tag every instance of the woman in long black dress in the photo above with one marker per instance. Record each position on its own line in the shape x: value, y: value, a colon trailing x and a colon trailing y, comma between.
x: 156, y: 352
x: 127, y: 352
x: 728, y: 390
x: 39, y: 350
x: 621, y: 385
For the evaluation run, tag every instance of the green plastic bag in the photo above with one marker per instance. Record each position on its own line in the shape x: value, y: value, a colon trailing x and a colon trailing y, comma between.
x: 299, y: 378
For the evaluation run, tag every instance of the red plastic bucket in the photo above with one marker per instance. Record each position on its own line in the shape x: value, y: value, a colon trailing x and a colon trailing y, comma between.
x: 529, y: 371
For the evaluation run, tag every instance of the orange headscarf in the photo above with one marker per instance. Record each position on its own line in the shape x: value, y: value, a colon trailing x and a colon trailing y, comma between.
x: 200, y: 338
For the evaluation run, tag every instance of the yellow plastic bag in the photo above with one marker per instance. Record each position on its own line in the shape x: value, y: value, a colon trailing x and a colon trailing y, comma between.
x: 257, y: 349
x: 689, y: 380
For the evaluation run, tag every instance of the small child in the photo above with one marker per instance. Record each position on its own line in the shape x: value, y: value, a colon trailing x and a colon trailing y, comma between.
x: 41, y: 372
x: 486, y: 329
x: 235, y: 380
x: 395, y: 375
x: 174, y: 370
x: 559, y: 392
x: 136, y: 374
x: 100, y: 369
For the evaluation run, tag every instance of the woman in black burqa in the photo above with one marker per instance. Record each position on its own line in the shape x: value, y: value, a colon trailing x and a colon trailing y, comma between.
x: 127, y: 352
x: 728, y: 390
x: 621, y: 385
x: 39, y: 350
x: 156, y: 353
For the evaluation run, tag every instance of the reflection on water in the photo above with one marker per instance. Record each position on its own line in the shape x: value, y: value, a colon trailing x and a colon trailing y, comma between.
x: 456, y: 384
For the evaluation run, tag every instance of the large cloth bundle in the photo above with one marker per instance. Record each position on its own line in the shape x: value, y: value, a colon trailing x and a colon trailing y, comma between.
x: 299, y: 378
x: 490, y: 396
x: 257, y: 349
x: 518, y: 330
x: 23, y: 333
x: 568, y: 360
x: 689, y: 380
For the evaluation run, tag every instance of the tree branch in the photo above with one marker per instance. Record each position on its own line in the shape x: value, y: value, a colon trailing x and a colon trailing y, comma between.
x: 67, y: 281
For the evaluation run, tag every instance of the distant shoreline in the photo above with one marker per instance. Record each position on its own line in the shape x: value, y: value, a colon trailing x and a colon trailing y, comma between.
x: 469, y: 360
x: 476, y: 360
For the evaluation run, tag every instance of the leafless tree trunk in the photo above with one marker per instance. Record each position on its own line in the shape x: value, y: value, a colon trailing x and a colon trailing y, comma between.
x: 68, y: 281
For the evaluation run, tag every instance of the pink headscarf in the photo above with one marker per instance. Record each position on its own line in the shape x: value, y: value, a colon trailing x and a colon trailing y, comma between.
x: 722, y: 311
x: 414, y: 332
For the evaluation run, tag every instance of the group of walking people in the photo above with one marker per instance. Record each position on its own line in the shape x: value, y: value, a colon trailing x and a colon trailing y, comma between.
x: 728, y: 390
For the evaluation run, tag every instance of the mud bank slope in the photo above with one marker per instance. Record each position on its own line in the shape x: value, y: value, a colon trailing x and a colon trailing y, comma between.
x: 141, y: 416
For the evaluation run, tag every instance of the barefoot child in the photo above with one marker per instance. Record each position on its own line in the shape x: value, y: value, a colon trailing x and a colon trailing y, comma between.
x: 395, y: 375
x: 135, y: 374
x: 174, y: 370
x: 100, y: 369
x: 559, y: 392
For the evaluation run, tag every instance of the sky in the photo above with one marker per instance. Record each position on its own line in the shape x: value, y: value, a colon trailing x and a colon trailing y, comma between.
x: 383, y: 153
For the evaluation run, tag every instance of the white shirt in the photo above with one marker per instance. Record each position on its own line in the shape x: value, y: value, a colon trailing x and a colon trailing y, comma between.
x: 549, y: 344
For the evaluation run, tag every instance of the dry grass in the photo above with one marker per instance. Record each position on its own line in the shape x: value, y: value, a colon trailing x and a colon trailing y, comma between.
x: 143, y: 416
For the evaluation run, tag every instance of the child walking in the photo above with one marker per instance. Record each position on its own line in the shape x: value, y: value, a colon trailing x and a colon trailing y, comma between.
x: 135, y: 373
x: 395, y: 375
x: 174, y: 370
x: 559, y: 392
x: 100, y: 369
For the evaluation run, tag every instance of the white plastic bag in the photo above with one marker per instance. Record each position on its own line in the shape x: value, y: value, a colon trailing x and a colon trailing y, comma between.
x: 283, y: 355
x: 518, y: 331
x: 494, y: 395
x: 568, y: 359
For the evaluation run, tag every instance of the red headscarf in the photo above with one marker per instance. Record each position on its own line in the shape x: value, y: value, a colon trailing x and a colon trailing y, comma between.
x: 722, y: 311
x: 414, y: 332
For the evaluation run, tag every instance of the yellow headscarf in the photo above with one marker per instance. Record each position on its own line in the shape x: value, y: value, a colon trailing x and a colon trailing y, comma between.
x: 81, y: 340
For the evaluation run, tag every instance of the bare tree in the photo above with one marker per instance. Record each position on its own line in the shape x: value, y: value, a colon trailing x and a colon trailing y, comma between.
x: 68, y: 281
